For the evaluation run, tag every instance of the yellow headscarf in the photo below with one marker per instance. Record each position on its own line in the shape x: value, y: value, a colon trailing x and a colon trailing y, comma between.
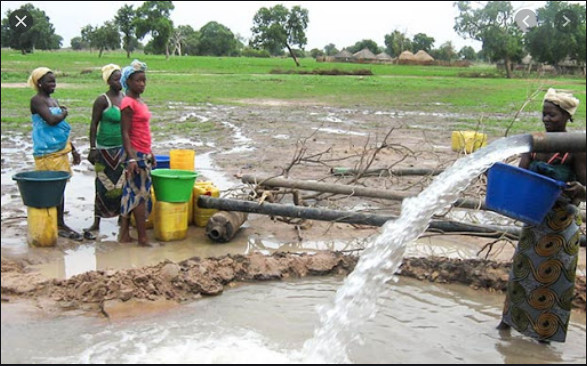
x: 565, y: 101
x: 36, y: 75
x: 108, y: 70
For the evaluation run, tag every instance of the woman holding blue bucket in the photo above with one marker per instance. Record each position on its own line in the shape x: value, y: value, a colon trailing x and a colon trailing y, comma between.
x: 542, y: 280
x: 138, y: 157
x: 51, y: 143
x: 106, y: 149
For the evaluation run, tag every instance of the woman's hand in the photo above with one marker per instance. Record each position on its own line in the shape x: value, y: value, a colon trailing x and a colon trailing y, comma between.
x: 93, y: 156
x: 154, y: 161
x: 77, y: 159
x: 64, y: 111
x: 131, y: 168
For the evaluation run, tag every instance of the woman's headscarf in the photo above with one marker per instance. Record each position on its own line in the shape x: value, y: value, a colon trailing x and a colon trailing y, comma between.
x: 565, y: 101
x: 37, y: 75
x: 134, y: 66
x: 108, y: 70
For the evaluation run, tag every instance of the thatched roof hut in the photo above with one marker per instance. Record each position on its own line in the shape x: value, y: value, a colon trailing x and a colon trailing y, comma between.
x: 423, y: 56
x: 406, y: 55
x: 344, y: 54
x: 364, y: 54
x: 383, y: 56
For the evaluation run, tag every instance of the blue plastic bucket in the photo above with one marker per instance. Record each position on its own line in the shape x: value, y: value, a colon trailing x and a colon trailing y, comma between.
x: 41, y: 188
x: 521, y: 194
x: 162, y: 162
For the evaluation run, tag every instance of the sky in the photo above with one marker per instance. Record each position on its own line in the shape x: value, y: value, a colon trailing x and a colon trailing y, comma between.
x: 343, y: 23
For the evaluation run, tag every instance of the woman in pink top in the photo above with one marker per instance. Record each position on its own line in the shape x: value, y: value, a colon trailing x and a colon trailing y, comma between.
x: 136, y: 140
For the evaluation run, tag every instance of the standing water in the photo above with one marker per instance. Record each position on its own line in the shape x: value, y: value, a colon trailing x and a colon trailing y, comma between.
x: 356, y: 300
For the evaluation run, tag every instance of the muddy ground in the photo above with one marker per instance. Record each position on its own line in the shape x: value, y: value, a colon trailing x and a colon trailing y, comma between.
x: 265, y: 138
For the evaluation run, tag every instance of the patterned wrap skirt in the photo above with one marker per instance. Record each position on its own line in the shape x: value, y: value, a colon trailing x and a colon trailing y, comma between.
x: 109, y: 180
x: 542, y: 280
x: 137, y: 189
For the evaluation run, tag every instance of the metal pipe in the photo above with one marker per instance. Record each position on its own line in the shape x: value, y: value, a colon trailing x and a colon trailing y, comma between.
x: 346, y: 190
x: 547, y: 142
x: 276, y: 209
x: 358, y: 218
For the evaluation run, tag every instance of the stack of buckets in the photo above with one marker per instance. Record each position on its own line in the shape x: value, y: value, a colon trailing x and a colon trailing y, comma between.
x: 170, y: 214
x: 42, y: 191
x: 170, y: 220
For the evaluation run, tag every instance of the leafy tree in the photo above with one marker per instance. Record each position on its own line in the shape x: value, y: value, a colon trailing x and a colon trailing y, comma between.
x: 125, y: 20
x: 397, y: 42
x: 314, y: 52
x: 467, y: 53
x: 87, y: 34
x: 330, y: 49
x: 40, y: 36
x: 494, y: 26
x: 421, y: 41
x: 546, y: 43
x: 153, y: 18
x: 445, y: 52
x: 106, y: 38
x: 217, y: 40
x: 277, y: 27
x: 366, y: 43
x: 178, y: 38
x: 78, y: 44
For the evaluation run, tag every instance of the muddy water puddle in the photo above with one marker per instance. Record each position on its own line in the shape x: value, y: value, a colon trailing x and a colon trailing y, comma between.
x: 266, y: 322
x: 269, y: 323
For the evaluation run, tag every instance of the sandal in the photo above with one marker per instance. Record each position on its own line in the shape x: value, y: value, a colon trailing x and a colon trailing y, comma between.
x: 88, y: 235
x: 73, y: 235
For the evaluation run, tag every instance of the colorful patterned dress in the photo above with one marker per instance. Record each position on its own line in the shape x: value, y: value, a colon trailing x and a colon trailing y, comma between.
x: 542, y: 279
x: 108, y: 166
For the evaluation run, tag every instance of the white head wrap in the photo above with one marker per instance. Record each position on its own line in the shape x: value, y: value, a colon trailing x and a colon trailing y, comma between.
x: 565, y: 101
x: 37, y: 75
x: 108, y: 70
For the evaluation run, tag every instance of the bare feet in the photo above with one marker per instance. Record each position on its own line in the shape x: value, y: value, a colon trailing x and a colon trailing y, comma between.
x: 126, y: 239
x: 150, y: 244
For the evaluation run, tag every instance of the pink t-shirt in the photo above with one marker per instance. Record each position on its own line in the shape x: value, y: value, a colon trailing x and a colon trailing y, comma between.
x: 140, y: 129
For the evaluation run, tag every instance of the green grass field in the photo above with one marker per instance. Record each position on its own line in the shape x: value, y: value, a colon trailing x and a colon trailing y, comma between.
x: 490, y: 100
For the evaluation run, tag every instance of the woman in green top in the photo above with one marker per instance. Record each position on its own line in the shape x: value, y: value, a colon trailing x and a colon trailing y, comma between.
x: 106, y: 149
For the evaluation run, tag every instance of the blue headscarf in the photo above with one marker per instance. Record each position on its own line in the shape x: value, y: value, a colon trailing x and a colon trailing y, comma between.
x: 134, y: 66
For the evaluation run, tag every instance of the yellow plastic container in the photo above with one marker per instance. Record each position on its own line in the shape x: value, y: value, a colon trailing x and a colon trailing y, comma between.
x: 468, y: 141
x: 151, y: 218
x: 182, y: 159
x: 171, y: 221
x: 42, y: 226
x: 202, y: 215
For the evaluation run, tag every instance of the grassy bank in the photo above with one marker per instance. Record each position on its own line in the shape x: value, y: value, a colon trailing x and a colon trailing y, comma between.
x: 492, y: 101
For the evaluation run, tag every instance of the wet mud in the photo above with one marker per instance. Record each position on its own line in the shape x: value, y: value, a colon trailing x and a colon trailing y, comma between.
x: 267, y: 139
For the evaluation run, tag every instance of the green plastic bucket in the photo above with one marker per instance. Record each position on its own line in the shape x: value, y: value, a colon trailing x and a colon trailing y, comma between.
x: 173, y: 185
x: 41, y: 188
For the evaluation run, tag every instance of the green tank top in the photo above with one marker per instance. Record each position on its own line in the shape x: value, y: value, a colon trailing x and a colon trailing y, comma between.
x: 109, y: 134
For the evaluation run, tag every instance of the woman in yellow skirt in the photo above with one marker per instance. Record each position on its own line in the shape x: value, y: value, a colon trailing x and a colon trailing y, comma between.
x: 51, y: 144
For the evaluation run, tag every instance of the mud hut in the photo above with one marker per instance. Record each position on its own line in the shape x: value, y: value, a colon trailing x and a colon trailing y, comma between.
x: 364, y: 55
x: 406, y: 56
x: 384, y: 58
x: 343, y: 56
x: 423, y: 56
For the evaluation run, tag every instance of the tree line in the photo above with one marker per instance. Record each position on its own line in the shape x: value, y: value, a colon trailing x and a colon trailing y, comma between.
x: 278, y: 30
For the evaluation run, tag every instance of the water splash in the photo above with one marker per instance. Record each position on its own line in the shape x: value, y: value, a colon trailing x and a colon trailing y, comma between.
x: 356, y: 300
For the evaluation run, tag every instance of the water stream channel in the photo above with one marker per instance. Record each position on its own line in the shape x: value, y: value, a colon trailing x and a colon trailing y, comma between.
x: 371, y: 316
